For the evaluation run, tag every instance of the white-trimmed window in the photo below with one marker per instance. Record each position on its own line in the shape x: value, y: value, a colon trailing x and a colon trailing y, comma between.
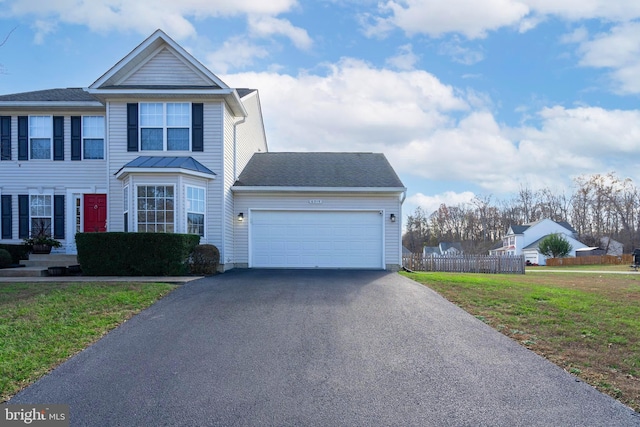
x: 165, y: 126
x: 93, y: 137
x: 156, y: 208
x: 125, y: 198
x: 40, y: 137
x: 41, y: 214
x: 195, y: 210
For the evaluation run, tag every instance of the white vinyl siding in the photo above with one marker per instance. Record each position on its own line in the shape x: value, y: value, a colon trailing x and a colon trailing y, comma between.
x: 165, y: 68
x: 211, y: 157
x: 84, y: 176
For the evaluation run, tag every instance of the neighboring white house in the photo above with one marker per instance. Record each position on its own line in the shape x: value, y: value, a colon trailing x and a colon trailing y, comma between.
x: 160, y: 144
x: 443, y: 249
x: 524, y: 240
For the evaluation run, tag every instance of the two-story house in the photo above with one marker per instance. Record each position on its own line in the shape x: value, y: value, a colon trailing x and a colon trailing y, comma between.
x: 524, y: 239
x: 160, y: 144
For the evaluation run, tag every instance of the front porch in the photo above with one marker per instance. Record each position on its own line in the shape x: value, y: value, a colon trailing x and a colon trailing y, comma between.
x: 38, y: 265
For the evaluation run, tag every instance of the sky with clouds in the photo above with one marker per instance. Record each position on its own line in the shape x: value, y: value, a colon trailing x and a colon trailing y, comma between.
x: 464, y: 97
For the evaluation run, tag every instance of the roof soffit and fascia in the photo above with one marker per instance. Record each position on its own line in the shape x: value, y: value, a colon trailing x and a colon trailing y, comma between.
x: 277, y: 189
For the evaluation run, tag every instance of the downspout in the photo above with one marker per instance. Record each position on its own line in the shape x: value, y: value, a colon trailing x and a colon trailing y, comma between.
x: 402, y: 199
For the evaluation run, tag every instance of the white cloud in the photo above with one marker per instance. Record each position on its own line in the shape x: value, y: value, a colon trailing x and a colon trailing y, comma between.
x: 143, y: 16
x: 574, y: 10
x: 617, y: 50
x: 404, y: 60
x: 435, y: 17
x: 431, y: 203
x: 265, y: 26
x: 236, y: 52
x: 459, y: 53
x: 354, y: 107
x: 474, y: 19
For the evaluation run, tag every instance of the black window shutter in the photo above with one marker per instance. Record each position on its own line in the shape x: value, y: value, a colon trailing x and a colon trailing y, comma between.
x: 58, y: 138
x: 5, y: 137
x: 6, y: 217
x: 23, y: 138
x: 76, y: 138
x: 132, y: 127
x: 23, y: 216
x: 197, y: 127
x: 58, y: 216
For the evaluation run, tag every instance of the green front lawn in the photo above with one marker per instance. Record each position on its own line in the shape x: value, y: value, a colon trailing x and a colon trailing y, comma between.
x: 588, y: 323
x: 43, y: 324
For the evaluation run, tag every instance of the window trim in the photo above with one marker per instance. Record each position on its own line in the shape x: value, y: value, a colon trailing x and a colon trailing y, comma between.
x: 188, y: 211
x: 175, y: 202
x: 83, y: 137
x: 52, y: 215
x: 126, y: 200
x: 30, y: 137
x: 165, y: 126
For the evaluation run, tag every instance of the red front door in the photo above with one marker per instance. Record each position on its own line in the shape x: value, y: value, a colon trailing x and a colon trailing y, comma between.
x: 95, y: 213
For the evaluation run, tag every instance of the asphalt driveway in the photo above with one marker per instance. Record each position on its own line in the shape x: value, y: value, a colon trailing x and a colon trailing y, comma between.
x: 316, y: 348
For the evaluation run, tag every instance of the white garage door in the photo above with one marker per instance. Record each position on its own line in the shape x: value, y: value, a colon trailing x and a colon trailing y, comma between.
x: 316, y: 239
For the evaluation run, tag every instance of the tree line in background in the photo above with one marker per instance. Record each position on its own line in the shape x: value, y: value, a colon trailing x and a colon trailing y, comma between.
x: 602, y: 205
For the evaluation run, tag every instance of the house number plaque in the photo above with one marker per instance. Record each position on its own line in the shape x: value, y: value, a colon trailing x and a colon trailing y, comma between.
x: 315, y: 201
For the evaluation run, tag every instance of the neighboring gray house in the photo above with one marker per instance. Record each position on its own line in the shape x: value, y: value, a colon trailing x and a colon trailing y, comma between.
x: 159, y: 144
x: 443, y: 249
x: 524, y: 239
x: 611, y: 247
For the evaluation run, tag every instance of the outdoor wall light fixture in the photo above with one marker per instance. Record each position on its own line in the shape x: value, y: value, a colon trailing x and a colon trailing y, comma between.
x: 240, y: 217
x: 392, y: 217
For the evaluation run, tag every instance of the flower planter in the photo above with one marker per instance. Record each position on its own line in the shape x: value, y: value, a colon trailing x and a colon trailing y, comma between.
x: 41, y: 249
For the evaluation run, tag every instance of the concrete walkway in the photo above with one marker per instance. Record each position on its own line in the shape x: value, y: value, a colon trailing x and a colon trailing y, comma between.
x: 316, y: 348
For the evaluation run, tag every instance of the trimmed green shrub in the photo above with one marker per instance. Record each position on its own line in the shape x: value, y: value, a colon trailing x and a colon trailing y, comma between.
x: 5, y: 258
x: 135, y: 254
x: 18, y: 252
x: 205, y: 260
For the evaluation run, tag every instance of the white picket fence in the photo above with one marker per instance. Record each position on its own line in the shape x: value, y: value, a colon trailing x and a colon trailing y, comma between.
x: 493, y: 264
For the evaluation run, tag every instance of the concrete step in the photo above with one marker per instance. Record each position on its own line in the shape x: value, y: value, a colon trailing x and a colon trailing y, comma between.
x: 24, y: 272
x: 38, y: 265
x: 50, y: 260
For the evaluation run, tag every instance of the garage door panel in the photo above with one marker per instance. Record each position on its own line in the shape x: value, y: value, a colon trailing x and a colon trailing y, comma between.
x: 310, y: 239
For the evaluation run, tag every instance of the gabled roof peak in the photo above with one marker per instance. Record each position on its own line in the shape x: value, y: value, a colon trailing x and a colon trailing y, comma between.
x: 147, y: 50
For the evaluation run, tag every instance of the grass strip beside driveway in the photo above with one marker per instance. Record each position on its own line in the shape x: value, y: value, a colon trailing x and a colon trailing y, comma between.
x: 589, y: 324
x: 43, y: 324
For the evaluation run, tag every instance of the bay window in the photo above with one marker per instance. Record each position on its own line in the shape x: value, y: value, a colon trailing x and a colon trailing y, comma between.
x: 195, y: 210
x: 156, y: 208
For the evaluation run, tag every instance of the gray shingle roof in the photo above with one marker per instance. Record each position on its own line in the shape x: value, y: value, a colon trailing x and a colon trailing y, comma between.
x: 51, y: 95
x: 168, y: 162
x: 319, y: 170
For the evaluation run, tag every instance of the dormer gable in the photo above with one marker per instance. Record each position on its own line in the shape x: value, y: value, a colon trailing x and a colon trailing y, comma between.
x: 160, y: 68
x: 158, y: 62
